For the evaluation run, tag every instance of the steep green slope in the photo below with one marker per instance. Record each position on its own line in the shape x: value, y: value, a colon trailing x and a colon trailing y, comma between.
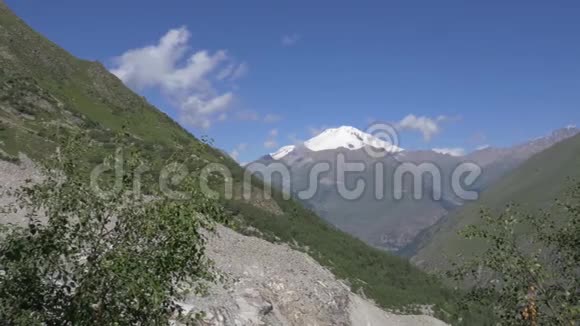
x: 533, y: 185
x: 44, y: 86
x: 44, y: 91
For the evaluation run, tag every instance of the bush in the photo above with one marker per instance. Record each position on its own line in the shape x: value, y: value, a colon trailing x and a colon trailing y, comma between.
x: 102, y: 260
x: 532, y: 263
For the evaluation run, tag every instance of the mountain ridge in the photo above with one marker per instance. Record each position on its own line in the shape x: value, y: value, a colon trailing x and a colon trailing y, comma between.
x: 388, y: 223
x: 534, y: 185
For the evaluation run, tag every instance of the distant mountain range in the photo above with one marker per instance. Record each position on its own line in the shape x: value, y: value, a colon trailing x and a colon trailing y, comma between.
x: 387, y: 223
x: 533, y: 185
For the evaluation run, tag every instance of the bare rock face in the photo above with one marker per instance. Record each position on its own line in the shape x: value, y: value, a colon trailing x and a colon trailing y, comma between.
x: 272, y: 284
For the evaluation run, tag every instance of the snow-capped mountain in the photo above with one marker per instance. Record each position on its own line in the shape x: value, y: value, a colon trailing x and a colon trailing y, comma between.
x: 387, y: 223
x: 283, y: 151
x: 341, y: 137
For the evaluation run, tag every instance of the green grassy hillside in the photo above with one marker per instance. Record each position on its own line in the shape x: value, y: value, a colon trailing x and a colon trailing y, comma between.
x: 45, y: 92
x: 534, y: 185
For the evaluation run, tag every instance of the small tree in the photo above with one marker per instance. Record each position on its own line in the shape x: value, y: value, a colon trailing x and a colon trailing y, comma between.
x: 529, y: 272
x: 90, y: 259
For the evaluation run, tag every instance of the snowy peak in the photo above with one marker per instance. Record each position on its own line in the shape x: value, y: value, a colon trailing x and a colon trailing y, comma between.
x: 346, y: 137
x: 341, y: 137
x: 283, y: 151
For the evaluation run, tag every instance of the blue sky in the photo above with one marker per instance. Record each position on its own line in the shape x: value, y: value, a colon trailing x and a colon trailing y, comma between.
x: 266, y: 74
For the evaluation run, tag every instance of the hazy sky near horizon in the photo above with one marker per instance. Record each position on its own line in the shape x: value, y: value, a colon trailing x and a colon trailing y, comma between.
x: 258, y: 75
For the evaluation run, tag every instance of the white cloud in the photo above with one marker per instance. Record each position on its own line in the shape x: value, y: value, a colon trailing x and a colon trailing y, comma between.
x: 425, y: 125
x: 455, y: 151
x: 157, y: 65
x: 482, y: 147
x: 225, y: 72
x: 235, y: 153
x: 240, y: 71
x: 290, y: 39
x: 233, y: 72
x: 187, y: 83
x: 199, y: 105
x: 196, y: 110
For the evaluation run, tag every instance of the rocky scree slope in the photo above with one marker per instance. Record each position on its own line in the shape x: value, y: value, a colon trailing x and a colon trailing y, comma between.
x: 262, y: 283
x: 272, y: 284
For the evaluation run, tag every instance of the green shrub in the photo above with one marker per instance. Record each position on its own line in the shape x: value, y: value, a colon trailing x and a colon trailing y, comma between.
x: 102, y: 259
x: 530, y: 272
